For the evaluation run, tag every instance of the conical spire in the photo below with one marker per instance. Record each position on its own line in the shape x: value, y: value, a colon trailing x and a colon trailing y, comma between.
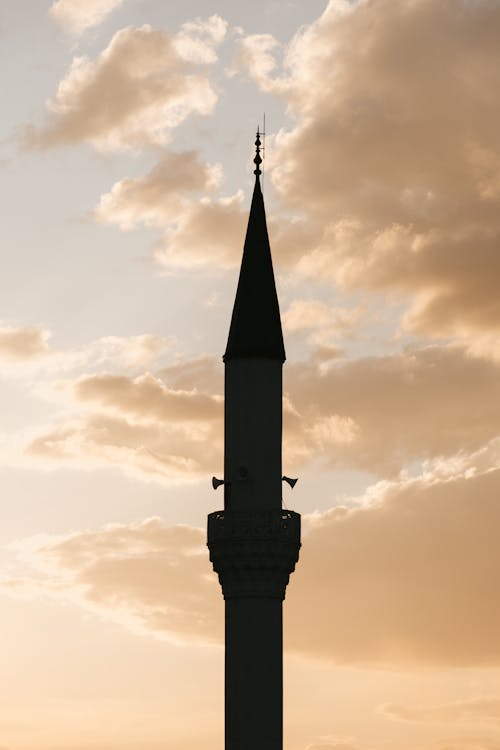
x: 255, y: 324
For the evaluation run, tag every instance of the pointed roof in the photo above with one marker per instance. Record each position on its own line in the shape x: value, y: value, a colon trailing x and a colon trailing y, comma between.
x: 255, y: 329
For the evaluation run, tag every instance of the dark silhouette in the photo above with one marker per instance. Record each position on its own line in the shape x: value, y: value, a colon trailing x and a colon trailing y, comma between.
x: 255, y: 329
x: 254, y: 544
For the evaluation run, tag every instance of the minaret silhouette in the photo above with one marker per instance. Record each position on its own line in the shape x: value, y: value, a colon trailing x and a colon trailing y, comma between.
x: 254, y: 543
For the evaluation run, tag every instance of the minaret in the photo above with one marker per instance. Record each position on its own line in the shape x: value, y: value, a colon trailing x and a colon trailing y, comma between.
x: 254, y: 543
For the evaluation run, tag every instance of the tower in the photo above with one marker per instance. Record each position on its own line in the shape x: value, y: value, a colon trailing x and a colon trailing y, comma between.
x: 254, y: 543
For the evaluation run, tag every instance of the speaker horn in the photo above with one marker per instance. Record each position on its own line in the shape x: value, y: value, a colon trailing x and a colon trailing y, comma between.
x: 290, y: 481
x: 216, y: 482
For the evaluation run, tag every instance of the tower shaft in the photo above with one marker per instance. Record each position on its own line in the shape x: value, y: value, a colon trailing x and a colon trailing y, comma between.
x: 254, y: 673
x: 252, y: 432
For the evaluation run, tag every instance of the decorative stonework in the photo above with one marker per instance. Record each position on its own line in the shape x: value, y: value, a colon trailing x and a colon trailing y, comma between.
x: 254, y: 550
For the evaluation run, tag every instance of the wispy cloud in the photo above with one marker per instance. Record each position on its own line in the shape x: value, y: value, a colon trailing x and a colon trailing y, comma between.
x: 482, y: 710
x: 77, y: 16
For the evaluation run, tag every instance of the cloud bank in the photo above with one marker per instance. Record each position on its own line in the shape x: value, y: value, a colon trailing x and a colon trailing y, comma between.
x: 409, y: 576
x: 378, y: 414
x: 393, y: 155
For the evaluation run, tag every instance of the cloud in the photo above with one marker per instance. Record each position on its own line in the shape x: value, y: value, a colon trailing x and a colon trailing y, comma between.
x: 407, y: 577
x: 378, y: 414
x: 211, y: 233
x: 159, y: 452
x: 325, y: 353
x: 77, y: 16
x: 156, y: 199
x: 473, y: 710
x: 146, y: 397
x: 393, y: 155
x: 198, y: 231
x: 139, y: 424
x: 196, y: 40
x: 142, y: 575
x: 193, y: 373
x: 27, y: 351
x: 125, y: 351
x: 321, y: 321
x: 256, y: 54
x: 381, y: 413
x: 132, y: 95
x: 21, y: 344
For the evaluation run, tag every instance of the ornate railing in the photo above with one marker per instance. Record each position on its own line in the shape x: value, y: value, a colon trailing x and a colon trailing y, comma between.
x: 254, y: 550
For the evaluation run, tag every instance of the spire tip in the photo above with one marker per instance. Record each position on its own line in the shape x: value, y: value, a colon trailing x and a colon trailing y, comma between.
x: 258, y: 159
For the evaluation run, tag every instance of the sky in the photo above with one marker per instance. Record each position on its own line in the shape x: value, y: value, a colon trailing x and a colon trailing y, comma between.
x: 127, y: 131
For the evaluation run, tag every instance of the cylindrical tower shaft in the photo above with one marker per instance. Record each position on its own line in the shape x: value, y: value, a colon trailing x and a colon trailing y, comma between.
x: 252, y: 433
x: 254, y: 674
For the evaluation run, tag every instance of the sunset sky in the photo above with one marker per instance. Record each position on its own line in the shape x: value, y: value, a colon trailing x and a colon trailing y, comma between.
x: 127, y: 131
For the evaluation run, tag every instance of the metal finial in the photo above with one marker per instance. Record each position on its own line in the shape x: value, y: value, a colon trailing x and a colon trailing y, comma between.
x: 258, y: 160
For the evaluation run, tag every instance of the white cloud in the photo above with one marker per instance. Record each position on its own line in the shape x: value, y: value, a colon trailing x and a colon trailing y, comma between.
x: 132, y: 95
x: 208, y: 232
x: 79, y: 15
x: 159, y: 197
x: 256, y: 54
x: 320, y: 321
x: 27, y: 351
x: 197, y: 40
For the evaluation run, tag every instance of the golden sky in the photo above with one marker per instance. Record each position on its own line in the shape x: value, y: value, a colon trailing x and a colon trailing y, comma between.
x: 125, y: 173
